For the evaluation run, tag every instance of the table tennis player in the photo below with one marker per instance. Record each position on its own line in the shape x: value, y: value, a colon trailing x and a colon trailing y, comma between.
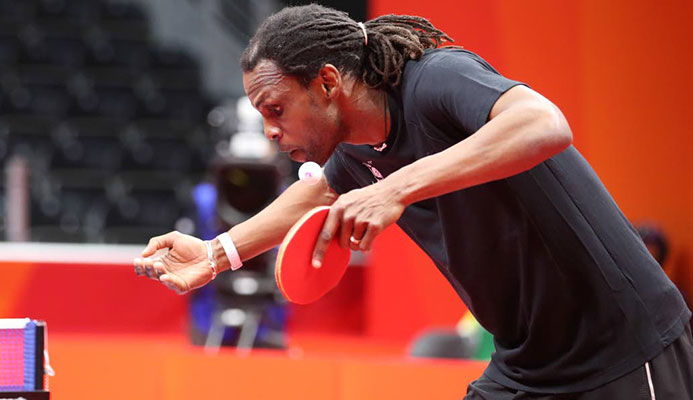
x: 480, y: 172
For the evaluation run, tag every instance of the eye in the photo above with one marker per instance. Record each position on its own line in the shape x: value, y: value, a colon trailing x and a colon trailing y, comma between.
x: 275, y: 110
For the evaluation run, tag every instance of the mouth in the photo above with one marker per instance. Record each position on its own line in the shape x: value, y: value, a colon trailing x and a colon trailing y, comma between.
x: 287, y: 150
x: 294, y: 153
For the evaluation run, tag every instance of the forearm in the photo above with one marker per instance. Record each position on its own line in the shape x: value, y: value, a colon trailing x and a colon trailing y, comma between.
x: 509, y: 144
x: 268, y: 228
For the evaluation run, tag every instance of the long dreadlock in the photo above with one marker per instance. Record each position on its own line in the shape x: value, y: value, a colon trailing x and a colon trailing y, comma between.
x: 301, y: 40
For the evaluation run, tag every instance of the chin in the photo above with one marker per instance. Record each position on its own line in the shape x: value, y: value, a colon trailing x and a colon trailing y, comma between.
x: 298, y: 156
x: 302, y: 155
x: 321, y: 158
x: 318, y: 160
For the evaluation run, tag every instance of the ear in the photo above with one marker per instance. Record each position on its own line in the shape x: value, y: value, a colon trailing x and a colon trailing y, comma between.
x: 330, y: 80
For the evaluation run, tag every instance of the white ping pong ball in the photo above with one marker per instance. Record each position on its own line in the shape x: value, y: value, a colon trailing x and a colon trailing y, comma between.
x: 310, y: 173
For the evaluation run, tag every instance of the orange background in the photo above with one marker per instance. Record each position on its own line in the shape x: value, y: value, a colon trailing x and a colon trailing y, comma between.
x: 113, y: 335
x: 620, y: 71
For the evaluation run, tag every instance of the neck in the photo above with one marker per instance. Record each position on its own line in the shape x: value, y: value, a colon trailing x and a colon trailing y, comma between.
x: 366, y: 115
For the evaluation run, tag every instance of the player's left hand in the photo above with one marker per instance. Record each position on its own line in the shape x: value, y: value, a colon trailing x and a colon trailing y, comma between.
x: 183, y: 268
x: 358, y: 217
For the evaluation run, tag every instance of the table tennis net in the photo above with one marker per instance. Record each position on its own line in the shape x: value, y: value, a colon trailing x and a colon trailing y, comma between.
x: 22, y: 344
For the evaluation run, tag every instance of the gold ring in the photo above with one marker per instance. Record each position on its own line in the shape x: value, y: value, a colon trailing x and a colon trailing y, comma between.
x: 354, y: 240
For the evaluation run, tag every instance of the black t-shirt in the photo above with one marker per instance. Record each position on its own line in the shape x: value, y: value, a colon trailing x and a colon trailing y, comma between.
x: 544, y: 259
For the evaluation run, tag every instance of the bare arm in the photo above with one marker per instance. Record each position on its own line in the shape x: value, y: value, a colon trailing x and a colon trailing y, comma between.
x: 267, y: 228
x: 186, y: 265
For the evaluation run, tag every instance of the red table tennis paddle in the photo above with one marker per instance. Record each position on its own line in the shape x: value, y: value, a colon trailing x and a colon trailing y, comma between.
x: 296, y: 277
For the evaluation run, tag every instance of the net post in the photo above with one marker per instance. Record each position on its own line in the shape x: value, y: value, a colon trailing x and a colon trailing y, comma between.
x: 39, y: 370
x: 34, y: 336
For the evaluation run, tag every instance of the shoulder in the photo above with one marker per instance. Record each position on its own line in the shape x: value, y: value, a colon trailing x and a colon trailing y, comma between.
x: 443, y: 62
x: 444, y: 70
x: 454, y: 85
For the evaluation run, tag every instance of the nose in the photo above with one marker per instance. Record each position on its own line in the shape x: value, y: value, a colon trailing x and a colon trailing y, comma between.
x: 272, y: 132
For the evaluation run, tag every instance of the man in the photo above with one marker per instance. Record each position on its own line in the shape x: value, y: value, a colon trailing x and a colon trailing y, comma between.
x: 478, y: 170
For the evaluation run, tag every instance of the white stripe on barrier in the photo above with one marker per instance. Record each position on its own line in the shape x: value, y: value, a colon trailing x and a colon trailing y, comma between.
x: 13, y: 323
x: 69, y: 253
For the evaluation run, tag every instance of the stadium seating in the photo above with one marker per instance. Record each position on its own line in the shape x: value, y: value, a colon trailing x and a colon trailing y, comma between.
x: 113, y: 126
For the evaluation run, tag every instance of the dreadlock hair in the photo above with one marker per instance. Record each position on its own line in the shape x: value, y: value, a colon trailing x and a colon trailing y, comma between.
x: 301, y: 40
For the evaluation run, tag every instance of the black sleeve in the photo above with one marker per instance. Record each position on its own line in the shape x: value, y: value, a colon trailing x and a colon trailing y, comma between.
x: 338, y: 174
x: 460, y: 88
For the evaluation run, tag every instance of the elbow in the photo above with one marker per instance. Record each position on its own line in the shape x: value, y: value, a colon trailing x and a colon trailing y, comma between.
x: 564, y: 135
x: 556, y: 135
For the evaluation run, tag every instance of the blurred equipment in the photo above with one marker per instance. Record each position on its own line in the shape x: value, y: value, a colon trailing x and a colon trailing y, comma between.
x: 656, y: 241
x: 16, y: 200
x: 658, y: 244
x: 469, y: 340
x: 241, y: 308
x: 480, y: 339
x: 24, y: 366
x: 441, y: 343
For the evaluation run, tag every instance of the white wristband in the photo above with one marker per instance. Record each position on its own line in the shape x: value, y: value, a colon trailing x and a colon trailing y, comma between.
x: 230, y: 250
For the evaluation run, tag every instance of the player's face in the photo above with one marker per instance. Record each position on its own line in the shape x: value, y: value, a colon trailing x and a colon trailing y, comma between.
x: 301, y: 121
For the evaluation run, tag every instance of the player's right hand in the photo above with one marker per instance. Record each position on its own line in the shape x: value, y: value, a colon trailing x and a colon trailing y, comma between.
x: 185, y: 267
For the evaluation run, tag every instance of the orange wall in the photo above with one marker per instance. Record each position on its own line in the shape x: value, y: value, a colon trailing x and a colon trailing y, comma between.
x: 620, y: 71
x: 101, y: 367
x: 405, y: 293
x: 89, y: 298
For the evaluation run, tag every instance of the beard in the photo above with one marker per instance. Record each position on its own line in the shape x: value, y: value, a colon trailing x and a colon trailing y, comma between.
x: 321, y: 152
x: 324, y: 137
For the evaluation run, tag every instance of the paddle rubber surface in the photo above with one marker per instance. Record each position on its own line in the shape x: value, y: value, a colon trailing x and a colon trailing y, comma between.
x: 296, y: 277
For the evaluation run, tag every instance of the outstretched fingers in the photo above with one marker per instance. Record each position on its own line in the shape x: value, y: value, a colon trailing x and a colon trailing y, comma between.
x: 175, y: 260
x: 150, y: 266
x: 145, y: 266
